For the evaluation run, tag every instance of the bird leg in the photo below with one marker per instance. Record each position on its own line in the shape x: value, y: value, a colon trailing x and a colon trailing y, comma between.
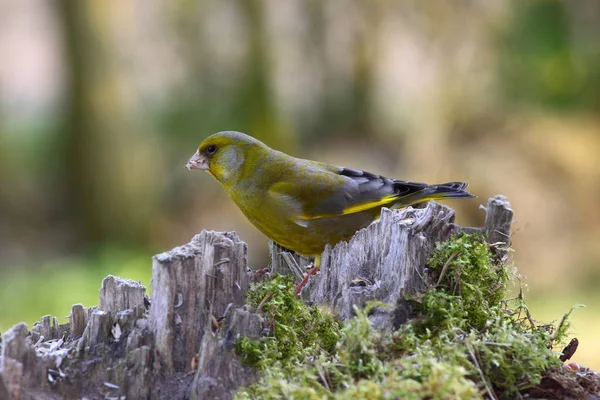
x: 300, y: 286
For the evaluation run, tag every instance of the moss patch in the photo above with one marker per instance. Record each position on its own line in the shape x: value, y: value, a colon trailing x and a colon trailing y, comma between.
x: 466, y: 340
x: 295, y: 331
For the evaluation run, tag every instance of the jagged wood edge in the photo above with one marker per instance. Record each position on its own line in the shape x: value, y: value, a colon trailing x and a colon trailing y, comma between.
x: 199, y: 289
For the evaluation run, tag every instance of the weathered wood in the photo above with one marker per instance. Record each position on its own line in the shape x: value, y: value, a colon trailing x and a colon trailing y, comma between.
x: 498, y: 220
x: 78, y: 321
x: 388, y: 258
x: 219, y: 370
x: 19, y: 365
x: 284, y: 261
x: 120, y: 349
x: 3, y: 390
x: 193, y: 284
x: 183, y: 346
x: 118, y: 294
x: 98, y: 330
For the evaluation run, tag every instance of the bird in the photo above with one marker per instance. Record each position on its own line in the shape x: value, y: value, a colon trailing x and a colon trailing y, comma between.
x: 304, y: 205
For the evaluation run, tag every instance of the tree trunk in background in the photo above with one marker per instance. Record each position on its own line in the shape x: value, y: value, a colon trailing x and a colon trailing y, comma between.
x: 107, y: 165
x: 258, y: 111
x: 365, y: 59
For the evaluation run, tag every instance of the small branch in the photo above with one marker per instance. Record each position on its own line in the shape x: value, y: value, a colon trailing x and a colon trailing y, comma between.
x: 489, y: 390
x: 445, y: 267
x: 322, y: 376
x: 263, y: 301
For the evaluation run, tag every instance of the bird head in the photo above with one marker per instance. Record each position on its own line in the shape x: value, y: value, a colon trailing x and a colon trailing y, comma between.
x: 224, y: 154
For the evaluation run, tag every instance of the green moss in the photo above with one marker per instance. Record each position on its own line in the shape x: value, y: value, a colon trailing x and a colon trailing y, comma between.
x: 466, y: 339
x: 468, y: 287
x: 511, y: 360
x: 297, y: 331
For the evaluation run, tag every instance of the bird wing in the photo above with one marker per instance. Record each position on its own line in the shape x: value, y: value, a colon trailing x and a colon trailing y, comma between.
x: 323, y: 191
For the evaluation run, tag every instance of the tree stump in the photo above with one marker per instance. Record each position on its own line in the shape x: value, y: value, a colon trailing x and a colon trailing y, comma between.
x: 183, y: 345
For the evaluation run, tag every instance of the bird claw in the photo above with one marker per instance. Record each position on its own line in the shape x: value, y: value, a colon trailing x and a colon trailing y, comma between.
x: 264, y: 271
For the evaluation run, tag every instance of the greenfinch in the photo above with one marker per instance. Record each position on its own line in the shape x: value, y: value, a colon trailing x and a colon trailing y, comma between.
x: 300, y: 204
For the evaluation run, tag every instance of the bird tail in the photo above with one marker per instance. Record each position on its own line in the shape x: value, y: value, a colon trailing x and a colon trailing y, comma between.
x: 450, y: 190
x: 420, y: 192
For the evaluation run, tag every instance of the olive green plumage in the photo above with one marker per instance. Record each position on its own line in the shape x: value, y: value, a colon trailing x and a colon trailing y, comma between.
x: 301, y: 204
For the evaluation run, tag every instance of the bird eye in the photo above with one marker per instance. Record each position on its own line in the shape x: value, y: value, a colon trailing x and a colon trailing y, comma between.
x: 212, y: 149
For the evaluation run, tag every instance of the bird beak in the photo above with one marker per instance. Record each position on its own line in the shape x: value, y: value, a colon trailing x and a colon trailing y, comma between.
x: 197, y: 161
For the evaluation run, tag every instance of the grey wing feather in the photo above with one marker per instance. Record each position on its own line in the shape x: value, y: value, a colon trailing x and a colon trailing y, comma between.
x: 360, y: 187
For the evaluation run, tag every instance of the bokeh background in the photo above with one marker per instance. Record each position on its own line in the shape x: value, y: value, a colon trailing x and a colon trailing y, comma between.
x: 102, y: 103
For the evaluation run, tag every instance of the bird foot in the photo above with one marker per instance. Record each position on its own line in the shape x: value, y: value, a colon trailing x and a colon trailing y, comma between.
x: 300, y: 286
x: 264, y: 271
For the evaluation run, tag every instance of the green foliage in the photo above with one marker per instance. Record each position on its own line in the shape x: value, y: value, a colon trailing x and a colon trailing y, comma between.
x: 539, y: 62
x: 465, y: 340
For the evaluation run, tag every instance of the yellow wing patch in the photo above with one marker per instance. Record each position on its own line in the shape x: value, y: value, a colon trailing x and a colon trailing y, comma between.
x: 367, y: 206
x: 354, y: 209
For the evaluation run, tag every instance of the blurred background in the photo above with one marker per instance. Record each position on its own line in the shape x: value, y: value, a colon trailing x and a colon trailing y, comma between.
x: 102, y: 103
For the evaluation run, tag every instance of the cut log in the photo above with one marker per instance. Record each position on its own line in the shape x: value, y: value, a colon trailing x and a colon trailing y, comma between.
x: 183, y: 346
